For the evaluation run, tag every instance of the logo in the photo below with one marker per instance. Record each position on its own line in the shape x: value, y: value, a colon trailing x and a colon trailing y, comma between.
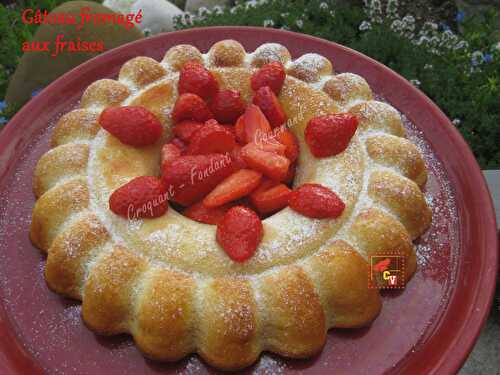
x: 386, y: 271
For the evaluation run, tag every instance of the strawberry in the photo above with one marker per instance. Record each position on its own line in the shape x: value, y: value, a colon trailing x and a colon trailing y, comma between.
x: 270, y: 145
x: 271, y: 200
x: 169, y: 152
x: 179, y: 143
x: 239, y: 130
x: 316, y: 201
x: 286, y: 138
x: 329, y: 135
x: 272, y: 165
x: 239, y: 233
x: 142, y: 197
x: 265, y: 184
x: 255, y: 123
x: 195, y: 79
x: 132, y: 125
x: 191, y: 107
x: 272, y: 75
x: 199, y: 212
x: 229, y: 128
x: 267, y: 101
x: 233, y: 187
x: 227, y: 106
x: 185, y: 129
x: 238, y: 161
x: 211, y: 138
x: 190, y: 177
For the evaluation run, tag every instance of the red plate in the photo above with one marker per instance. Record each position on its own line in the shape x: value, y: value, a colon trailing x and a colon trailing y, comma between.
x: 430, y: 327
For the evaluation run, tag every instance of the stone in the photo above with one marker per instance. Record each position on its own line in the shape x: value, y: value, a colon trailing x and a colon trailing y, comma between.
x: 157, y: 15
x: 493, y: 180
x: 193, y: 5
x: 37, y: 69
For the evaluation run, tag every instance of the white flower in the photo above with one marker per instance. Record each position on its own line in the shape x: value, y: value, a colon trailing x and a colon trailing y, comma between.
x: 397, y: 26
x: 218, y: 9
x: 415, y: 82
x: 392, y: 8
x: 323, y: 6
x: 476, y: 58
x: 365, y: 25
x: 461, y: 45
x: 408, y: 23
x: 428, y: 66
x: 456, y: 122
x: 251, y: 4
x: 268, y: 23
x: 299, y: 24
x: 423, y: 40
x: 497, y: 46
x: 203, y: 11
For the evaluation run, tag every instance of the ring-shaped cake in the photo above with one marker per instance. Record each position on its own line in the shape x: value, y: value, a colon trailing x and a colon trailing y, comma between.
x: 166, y: 280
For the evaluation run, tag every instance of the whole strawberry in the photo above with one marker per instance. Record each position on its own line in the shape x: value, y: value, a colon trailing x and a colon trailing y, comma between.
x: 132, y: 125
x: 227, y: 106
x: 191, y: 107
x: 316, y: 201
x: 195, y: 79
x: 239, y: 233
x: 329, y: 135
x: 142, y: 197
x: 272, y: 75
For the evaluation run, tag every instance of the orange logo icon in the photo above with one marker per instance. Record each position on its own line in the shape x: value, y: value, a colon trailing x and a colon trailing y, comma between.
x: 386, y: 271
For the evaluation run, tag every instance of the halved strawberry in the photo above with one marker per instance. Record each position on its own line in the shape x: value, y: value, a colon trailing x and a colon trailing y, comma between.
x: 239, y: 233
x: 169, y: 152
x: 195, y: 78
x: 267, y: 101
x: 316, y: 201
x: 190, y: 177
x: 272, y: 199
x: 191, y: 107
x: 272, y: 75
x: 239, y: 130
x: 288, y: 139
x: 238, y: 161
x: 199, y: 212
x: 142, y: 197
x: 329, y: 135
x: 270, y: 145
x: 265, y: 184
x: 272, y: 165
x: 185, y: 129
x: 211, y: 138
x: 233, y: 187
x: 256, y: 124
x: 227, y: 106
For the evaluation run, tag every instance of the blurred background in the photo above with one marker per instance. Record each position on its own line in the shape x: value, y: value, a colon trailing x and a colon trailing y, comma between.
x: 448, y: 49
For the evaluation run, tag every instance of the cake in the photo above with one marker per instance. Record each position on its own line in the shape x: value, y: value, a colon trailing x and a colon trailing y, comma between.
x: 181, y: 286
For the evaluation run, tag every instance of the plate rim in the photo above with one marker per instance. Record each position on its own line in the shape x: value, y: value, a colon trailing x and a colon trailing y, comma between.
x: 15, y: 358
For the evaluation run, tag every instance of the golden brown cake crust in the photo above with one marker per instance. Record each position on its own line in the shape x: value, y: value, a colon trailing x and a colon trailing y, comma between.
x: 166, y: 281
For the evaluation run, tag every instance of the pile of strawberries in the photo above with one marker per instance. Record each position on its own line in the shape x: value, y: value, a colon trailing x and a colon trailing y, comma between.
x: 229, y: 164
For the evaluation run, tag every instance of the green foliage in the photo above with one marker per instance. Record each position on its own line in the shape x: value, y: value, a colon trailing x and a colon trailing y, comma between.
x: 459, y: 72
x: 14, y: 32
